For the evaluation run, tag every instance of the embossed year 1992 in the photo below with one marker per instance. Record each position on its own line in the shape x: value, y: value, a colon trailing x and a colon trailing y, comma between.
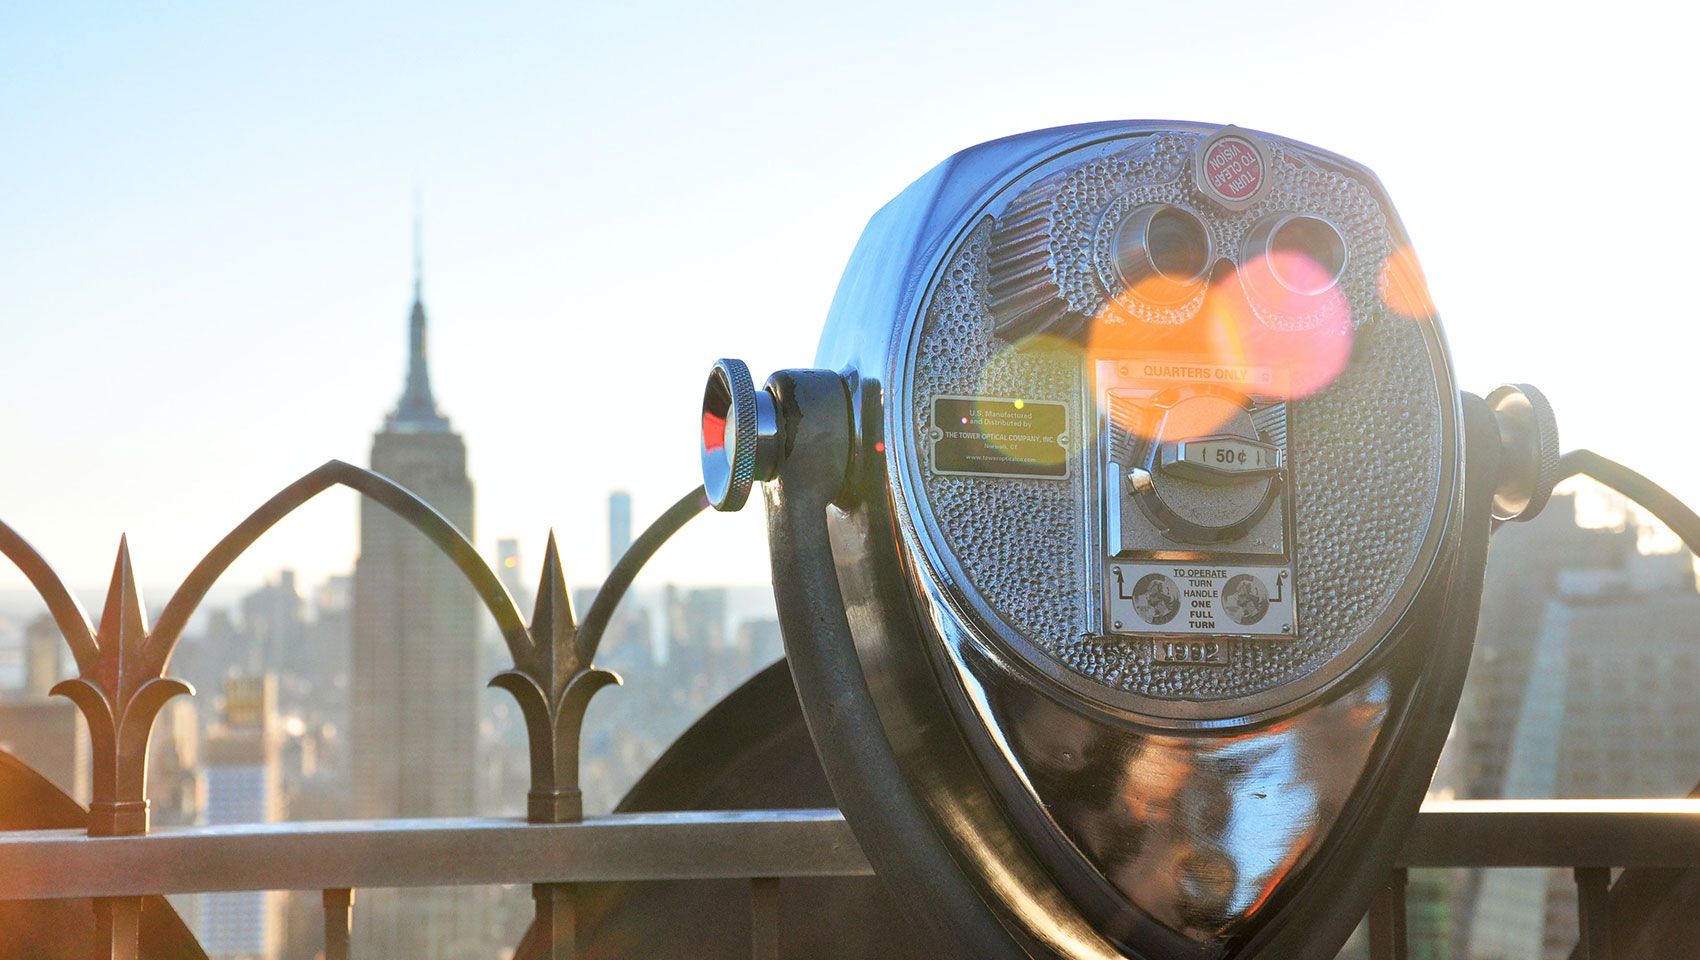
x: 1192, y: 651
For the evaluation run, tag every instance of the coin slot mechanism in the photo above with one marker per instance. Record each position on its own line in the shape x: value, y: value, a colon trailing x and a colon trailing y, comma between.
x: 1197, y: 506
x: 1219, y: 459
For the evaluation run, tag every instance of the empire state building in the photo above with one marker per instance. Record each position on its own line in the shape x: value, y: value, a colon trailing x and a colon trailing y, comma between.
x: 415, y: 684
x: 416, y: 690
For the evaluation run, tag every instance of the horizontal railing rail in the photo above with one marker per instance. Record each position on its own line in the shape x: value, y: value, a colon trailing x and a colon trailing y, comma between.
x: 316, y: 855
x: 763, y: 846
x: 1555, y: 833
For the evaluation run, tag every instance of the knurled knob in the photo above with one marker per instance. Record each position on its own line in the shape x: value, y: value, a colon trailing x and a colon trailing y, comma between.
x: 1528, y: 451
x: 739, y: 435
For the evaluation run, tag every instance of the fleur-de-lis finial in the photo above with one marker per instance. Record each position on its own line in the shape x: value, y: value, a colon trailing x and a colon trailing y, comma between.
x: 120, y: 692
x: 553, y: 681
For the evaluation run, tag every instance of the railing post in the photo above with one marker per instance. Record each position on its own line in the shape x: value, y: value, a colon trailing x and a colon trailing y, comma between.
x: 553, y: 680
x: 764, y: 918
x: 556, y: 921
x: 338, y: 922
x: 118, y: 923
x: 1388, y: 938
x: 1593, y: 911
x: 120, y: 688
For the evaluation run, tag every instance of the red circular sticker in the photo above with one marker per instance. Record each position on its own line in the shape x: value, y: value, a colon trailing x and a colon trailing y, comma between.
x: 1233, y: 168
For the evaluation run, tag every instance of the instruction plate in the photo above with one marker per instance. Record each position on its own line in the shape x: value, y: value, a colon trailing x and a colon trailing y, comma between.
x: 1200, y: 598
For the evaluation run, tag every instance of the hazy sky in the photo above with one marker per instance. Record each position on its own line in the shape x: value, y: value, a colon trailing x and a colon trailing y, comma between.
x: 205, y: 227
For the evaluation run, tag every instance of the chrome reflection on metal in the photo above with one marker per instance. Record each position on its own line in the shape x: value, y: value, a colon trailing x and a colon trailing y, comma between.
x: 740, y: 435
x: 1221, y: 821
x: 1162, y: 253
x: 1528, y: 451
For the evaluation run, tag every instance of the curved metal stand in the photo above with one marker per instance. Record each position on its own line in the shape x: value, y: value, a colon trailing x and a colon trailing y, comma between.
x: 839, y: 710
x: 620, y: 579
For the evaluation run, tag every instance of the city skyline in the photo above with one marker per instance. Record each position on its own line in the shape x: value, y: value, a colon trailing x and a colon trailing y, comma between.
x: 205, y: 269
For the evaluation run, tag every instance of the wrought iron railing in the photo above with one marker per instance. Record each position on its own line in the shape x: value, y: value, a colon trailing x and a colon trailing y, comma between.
x: 118, y: 861
x: 121, y: 683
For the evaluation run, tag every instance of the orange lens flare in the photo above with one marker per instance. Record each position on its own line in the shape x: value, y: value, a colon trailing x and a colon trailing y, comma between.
x: 1278, y: 327
x: 1402, y: 285
x: 1299, y: 329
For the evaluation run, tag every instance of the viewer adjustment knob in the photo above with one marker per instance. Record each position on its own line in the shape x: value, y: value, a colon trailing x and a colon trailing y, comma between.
x: 740, y: 435
x: 1528, y: 451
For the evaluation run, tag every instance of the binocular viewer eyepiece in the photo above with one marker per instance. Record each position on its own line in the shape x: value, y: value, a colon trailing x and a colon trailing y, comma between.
x: 1127, y: 540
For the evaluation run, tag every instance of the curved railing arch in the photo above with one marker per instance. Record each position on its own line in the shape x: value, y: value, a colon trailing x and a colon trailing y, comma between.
x: 398, y: 499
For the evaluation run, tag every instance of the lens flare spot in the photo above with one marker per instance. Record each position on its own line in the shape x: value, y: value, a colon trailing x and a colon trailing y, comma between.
x: 1281, y: 327
x: 1403, y: 287
x: 1299, y: 326
x: 1029, y: 429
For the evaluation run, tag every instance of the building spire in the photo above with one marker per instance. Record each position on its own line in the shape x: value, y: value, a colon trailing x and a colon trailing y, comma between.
x: 418, y: 247
x: 417, y: 411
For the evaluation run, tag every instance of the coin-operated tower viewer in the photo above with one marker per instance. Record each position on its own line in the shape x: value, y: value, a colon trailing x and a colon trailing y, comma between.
x: 1127, y: 538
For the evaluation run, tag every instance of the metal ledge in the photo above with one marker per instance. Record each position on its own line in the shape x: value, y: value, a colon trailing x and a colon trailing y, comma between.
x: 1555, y: 833
x: 319, y: 855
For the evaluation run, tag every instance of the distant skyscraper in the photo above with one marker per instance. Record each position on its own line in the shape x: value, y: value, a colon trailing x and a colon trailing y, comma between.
x: 415, y: 684
x: 42, y: 646
x: 619, y: 526
x: 241, y: 758
x: 1605, y: 706
x: 36, y: 727
x: 695, y: 618
x: 1524, y: 565
x: 49, y: 735
x: 511, y: 569
x: 1525, y: 562
x: 275, y: 619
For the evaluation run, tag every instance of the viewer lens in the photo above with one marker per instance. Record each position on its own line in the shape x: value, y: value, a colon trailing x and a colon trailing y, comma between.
x: 1306, y: 254
x: 1162, y: 253
x: 1180, y: 249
